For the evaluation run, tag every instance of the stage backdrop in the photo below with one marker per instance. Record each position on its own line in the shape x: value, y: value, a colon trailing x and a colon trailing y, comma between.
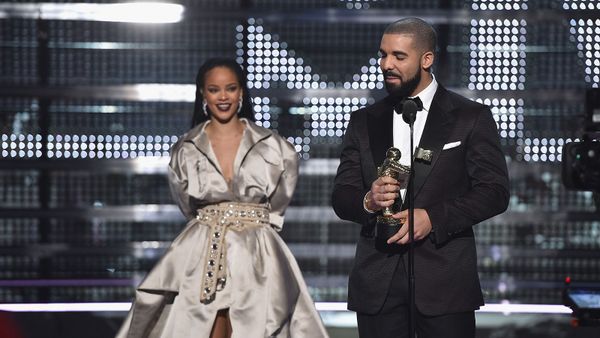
x: 89, y: 109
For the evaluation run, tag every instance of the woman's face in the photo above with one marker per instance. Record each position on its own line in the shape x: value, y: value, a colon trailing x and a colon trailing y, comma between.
x: 222, y: 93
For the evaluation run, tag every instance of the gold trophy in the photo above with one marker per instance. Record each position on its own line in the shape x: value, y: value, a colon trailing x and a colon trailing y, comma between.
x: 387, y: 226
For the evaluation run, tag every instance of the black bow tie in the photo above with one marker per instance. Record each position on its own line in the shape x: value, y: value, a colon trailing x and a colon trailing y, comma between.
x: 408, y: 108
x: 417, y: 101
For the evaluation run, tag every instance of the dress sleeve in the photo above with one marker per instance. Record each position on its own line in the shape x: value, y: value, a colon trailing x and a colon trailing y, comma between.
x: 282, y: 195
x: 178, y: 179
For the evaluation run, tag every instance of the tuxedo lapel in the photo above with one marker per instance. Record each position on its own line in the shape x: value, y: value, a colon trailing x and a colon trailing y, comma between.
x: 435, y: 134
x: 380, y: 126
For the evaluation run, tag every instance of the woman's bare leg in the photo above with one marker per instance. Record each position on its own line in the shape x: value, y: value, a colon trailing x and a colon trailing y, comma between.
x: 222, y: 326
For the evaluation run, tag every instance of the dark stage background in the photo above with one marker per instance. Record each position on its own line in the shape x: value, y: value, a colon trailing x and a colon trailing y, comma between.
x: 89, y: 110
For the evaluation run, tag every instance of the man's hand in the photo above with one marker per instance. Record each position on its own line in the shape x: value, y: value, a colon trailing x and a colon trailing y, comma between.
x: 383, y: 193
x: 422, y: 227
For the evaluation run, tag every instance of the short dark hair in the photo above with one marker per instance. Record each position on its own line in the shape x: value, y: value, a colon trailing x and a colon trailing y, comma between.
x: 209, y: 65
x: 424, y: 34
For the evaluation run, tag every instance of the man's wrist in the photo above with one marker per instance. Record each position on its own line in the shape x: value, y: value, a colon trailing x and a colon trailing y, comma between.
x: 366, y: 201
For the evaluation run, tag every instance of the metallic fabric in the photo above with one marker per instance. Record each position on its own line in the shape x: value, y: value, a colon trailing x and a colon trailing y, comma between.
x: 264, y: 290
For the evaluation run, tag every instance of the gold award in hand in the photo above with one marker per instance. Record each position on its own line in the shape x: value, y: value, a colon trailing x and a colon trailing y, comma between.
x: 387, y: 226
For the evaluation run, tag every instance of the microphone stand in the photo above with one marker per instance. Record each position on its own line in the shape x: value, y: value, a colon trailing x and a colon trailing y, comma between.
x: 411, y: 238
x: 409, y: 112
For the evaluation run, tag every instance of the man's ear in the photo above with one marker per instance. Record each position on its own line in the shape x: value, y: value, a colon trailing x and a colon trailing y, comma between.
x: 427, y: 60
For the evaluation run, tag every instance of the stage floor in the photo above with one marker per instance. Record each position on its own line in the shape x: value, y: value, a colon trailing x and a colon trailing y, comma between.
x: 105, y: 324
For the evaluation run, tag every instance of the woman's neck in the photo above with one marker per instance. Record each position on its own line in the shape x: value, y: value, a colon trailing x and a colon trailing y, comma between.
x: 217, y: 128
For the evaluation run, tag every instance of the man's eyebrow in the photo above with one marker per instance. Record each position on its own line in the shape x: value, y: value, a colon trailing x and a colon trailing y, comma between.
x: 395, y: 53
x: 399, y: 53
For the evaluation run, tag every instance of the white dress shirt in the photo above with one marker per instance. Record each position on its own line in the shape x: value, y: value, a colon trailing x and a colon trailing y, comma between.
x: 402, y: 129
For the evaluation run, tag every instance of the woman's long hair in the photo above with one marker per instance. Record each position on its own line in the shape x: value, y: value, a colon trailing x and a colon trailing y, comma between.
x: 210, y: 64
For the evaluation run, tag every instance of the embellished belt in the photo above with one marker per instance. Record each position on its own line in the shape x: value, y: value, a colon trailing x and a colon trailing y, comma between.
x: 220, y: 218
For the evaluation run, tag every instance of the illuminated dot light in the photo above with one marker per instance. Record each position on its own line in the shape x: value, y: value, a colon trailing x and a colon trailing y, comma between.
x: 302, y: 146
x: 370, y: 77
x: 587, y: 36
x: 541, y: 149
x: 20, y: 146
x: 508, y: 114
x: 357, y: 4
x: 498, y: 5
x: 329, y: 116
x: 108, y: 146
x: 581, y: 4
x: 86, y: 146
x: 324, y: 117
x: 497, y: 54
x: 264, y: 113
x: 269, y: 60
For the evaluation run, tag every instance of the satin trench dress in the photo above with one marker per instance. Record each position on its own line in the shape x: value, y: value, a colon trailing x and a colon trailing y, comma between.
x: 265, y: 292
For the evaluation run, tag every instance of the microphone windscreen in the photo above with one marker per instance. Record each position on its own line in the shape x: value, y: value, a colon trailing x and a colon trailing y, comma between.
x: 409, y: 111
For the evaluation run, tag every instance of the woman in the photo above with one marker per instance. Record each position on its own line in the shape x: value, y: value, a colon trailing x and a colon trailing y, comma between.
x: 228, y: 274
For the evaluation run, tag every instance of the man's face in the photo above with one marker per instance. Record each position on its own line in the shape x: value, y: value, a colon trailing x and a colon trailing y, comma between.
x: 400, y: 63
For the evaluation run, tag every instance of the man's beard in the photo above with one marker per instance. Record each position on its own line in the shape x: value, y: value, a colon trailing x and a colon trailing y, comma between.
x: 405, y: 88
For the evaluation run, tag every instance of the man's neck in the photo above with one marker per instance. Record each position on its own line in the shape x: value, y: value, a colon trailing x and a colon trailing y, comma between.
x: 425, y: 81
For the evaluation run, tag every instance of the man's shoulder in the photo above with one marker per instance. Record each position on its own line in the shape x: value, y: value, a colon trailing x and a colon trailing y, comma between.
x: 374, y: 108
x: 462, y: 101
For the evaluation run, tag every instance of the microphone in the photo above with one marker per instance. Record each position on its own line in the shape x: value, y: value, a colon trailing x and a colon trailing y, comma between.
x: 409, y: 109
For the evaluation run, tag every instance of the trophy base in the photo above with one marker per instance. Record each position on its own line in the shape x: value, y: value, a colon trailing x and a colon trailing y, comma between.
x: 387, y: 227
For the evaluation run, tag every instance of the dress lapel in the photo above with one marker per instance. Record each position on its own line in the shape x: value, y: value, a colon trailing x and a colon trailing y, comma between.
x: 252, y: 135
x: 380, y: 127
x: 200, y: 139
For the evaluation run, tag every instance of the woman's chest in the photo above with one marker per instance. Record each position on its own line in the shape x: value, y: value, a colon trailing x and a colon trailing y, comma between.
x: 254, y: 173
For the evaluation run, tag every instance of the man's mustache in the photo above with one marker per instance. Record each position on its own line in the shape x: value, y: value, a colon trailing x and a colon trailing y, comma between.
x: 391, y: 73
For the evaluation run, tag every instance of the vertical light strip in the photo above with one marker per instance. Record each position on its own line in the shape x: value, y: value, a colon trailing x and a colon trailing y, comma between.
x: 586, y: 34
x: 498, y: 56
x: 498, y: 63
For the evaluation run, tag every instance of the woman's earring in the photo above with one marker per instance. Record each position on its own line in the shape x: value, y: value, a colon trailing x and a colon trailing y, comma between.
x: 240, y: 104
x: 204, y: 107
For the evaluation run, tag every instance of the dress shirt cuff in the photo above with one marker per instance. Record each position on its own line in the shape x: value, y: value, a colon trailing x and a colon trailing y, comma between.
x: 366, y: 202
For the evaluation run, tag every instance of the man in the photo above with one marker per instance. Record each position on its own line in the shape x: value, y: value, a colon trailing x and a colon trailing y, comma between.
x: 464, y: 183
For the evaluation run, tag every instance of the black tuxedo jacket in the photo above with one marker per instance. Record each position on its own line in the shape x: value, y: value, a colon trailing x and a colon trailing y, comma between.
x: 462, y: 186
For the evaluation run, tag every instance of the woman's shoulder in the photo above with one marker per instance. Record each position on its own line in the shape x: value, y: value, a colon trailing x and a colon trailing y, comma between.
x: 273, y: 141
x: 187, y: 138
x: 270, y: 137
x: 194, y: 132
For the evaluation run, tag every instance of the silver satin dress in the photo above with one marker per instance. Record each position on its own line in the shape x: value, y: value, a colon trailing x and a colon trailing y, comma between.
x: 264, y: 292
